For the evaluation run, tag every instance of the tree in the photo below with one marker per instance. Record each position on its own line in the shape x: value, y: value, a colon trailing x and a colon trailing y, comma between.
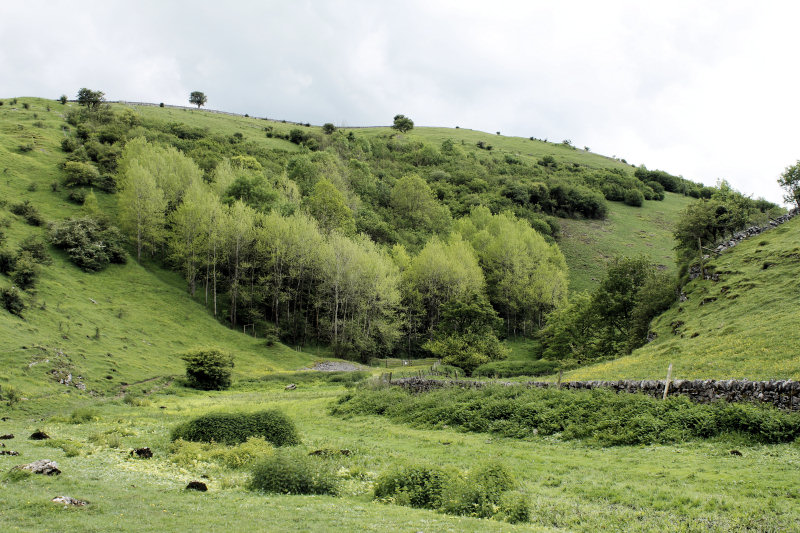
x: 328, y: 128
x: 402, y: 123
x: 63, y: 99
x: 790, y: 182
x: 89, y: 98
x: 142, y: 207
x: 327, y: 205
x: 198, y: 98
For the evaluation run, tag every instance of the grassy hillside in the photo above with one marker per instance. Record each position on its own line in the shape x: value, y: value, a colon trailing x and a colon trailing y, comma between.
x: 745, y: 325
x: 122, y: 325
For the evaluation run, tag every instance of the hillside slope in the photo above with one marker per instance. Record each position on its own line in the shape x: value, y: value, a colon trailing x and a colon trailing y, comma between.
x: 745, y: 325
x: 125, y: 324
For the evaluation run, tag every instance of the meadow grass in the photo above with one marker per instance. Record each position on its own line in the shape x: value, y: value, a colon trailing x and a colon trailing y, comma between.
x: 692, y: 486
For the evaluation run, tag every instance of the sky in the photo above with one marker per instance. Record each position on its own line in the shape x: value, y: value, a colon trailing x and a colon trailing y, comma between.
x: 707, y: 90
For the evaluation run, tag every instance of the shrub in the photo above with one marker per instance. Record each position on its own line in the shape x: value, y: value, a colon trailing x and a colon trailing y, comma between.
x: 415, y: 486
x: 25, y: 271
x: 69, y: 144
x: 89, y: 243
x: 25, y: 148
x: 36, y: 246
x: 63, y: 99
x: 77, y: 196
x: 478, y: 493
x: 78, y: 173
x: 11, y: 299
x: 28, y: 212
x: 514, y: 507
x: 634, y: 197
x: 9, y: 394
x: 293, y: 473
x: 7, y: 261
x: 510, y: 369
x: 328, y: 128
x: 208, y: 369
x: 83, y: 415
x: 235, y: 428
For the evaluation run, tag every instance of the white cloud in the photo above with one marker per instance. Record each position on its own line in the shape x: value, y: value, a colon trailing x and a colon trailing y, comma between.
x: 706, y: 90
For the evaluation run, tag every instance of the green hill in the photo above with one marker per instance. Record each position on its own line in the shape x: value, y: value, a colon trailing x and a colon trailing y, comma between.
x: 743, y: 325
x: 123, y: 325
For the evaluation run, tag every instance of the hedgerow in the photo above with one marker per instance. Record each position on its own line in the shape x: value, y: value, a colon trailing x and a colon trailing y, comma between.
x: 596, y: 416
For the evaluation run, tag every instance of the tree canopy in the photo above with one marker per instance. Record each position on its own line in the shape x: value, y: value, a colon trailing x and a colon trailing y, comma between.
x: 198, y: 98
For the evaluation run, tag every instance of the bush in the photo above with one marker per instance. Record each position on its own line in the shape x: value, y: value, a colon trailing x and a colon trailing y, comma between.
x: 478, y: 494
x: 11, y: 299
x: 36, y: 246
x: 83, y: 415
x: 235, y: 428
x: 208, y: 369
x: 78, y: 173
x: 28, y: 212
x: 415, y: 486
x: 77, y: 196
x: 514, y: 508
x: 69, y: 144
x: 510, y: 369
x: 89, y: 243
x: 25, y: 272
x: 634, y: 197
x: 7, y: 261
x: 328, y: 128
x: 599, y: 416
x: 293, y: 473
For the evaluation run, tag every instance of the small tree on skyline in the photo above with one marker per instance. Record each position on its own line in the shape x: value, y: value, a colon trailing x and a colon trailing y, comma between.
x: 790, y: 182
x: 89, y: 98
x: 198, y: 98
x: 402, y: 123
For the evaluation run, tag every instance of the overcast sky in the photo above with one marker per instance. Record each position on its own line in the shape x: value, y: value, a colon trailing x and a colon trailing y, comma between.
x: 707, y: 90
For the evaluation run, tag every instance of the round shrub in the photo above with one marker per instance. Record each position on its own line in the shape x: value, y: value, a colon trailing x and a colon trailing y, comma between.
x: 293, y: 473
x: 514, y: 508
x: 415, y: 485
x: 208, y: 369
x: 479, y: 493
x: 12, y: 302
x: 235, y: 428
x: 90, y: 244
x: 634, y: 197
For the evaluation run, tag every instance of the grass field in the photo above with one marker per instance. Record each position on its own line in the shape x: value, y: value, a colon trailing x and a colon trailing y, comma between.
x: 694, y: 486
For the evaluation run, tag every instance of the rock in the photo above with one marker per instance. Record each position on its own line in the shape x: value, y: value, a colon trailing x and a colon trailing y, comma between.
x: 42, y: 466
x: 143, y: 453
x: 197, y: 485
x: 69, y: 500
x: 290, y: 386
x: 736, y: 453
x: 8, y: 452
x: 6, y: 437
x: 39, y: 435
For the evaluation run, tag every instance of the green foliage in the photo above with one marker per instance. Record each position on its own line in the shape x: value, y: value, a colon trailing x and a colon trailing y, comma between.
x: 63, y: 99
x: 83, y: 415
x: 327, y: 205
x: 510, y: 369
x: 402, y: 123
x: 789, y: 181
x: 80, y: 174
x: 198, y: 98
x: 12, y: 301
x: 479, y: 492
x: 29, y: 212
x: 234, y: 428
x: 467, y: 351
x: 9, y: 394
x: 36, y: 246
x: 90, y: 243
x: 597, y: 416
x: 25, y: 272
x: 328, y: 128
x: 89, y: 98
x: 293, y: 473
x: 634, y: 197
x: 208, y: 368
x: 414, y: 485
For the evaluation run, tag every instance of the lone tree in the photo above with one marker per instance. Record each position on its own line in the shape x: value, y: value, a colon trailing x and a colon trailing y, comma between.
x: 198, y: 98
x: 790, y: 182
x: 328, y: 128
x: 89, y: 98
x: 402, y: 123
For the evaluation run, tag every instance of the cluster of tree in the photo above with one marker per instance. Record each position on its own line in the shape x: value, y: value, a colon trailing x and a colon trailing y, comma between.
x: 706, y: 221
x: 612, y: 320
x: 267, y: 255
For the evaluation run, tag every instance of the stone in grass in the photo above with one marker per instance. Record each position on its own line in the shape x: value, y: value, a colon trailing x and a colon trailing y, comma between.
x: 290, y: 386
x: 143, y: 453
x: 69, y: 500
x: 6, y: 437
x: 42, y: 466
x: 8, y: 452
x: 39, y: 435
x: 197, y: 485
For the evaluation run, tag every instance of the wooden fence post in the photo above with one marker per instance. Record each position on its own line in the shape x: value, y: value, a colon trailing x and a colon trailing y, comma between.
x: 666, y: 385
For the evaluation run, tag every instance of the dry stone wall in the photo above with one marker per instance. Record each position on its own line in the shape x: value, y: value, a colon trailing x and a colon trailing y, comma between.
x: 784, y: 394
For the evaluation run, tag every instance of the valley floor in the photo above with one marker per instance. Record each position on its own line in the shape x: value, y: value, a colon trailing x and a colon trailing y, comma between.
x: 695, y: 486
